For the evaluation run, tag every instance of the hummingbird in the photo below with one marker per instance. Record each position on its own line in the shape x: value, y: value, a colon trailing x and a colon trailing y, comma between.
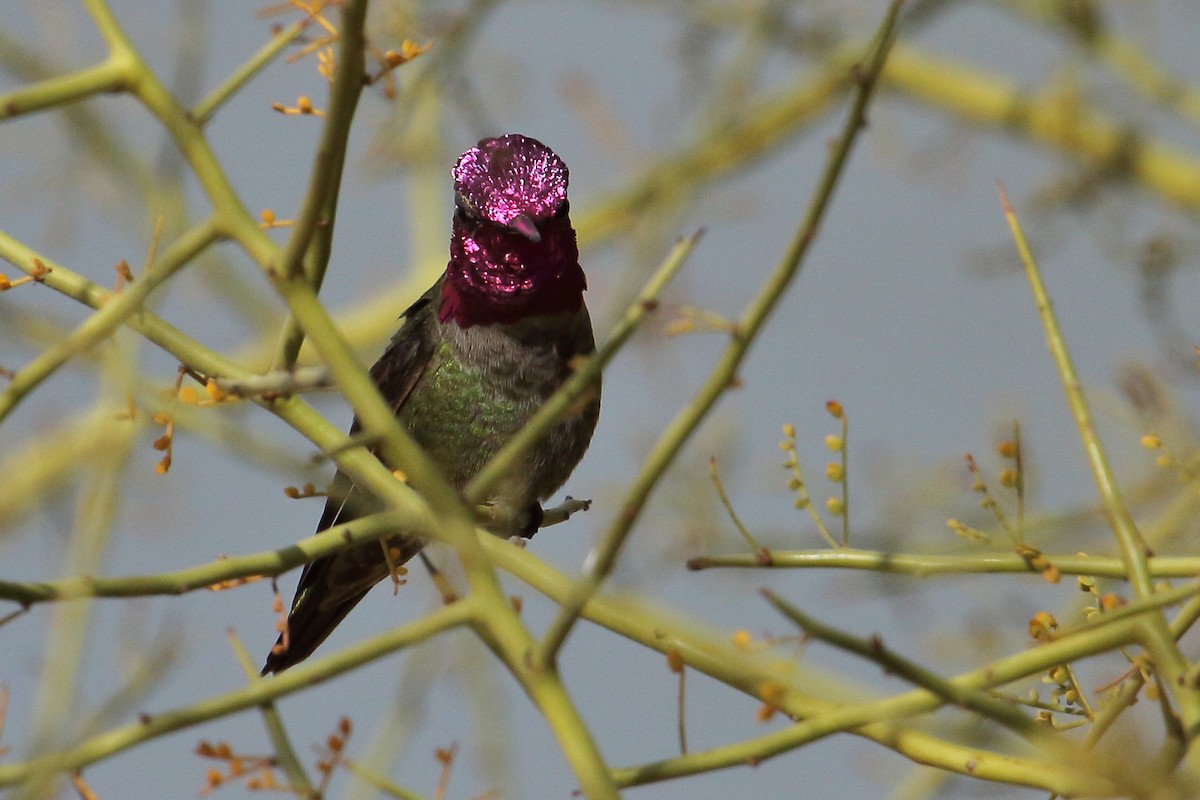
x: 476, y: 356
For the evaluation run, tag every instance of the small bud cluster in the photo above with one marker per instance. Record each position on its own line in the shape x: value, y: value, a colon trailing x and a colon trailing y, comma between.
x: 1104, y: 602
x: 835, y: 472
x: 308, y: 490
x: 335, y: 746
x: 388, y: 60
x: 1066, y: 696
x: 965, y: 531
x: 165, y: 443
x: 1042, y: 626
x: 396, y: 570
x: 322, y: 45
x: 257, y: 772
x: 1165, y: 458
x: 1011, y: 478
x: 281, y: 620
x: 188, y: 396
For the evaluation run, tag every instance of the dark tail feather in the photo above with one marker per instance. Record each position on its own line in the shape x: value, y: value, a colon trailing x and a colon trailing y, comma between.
x: 308, y: 626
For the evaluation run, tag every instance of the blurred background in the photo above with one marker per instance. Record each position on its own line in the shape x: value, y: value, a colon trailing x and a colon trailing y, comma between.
x: 911, y: 310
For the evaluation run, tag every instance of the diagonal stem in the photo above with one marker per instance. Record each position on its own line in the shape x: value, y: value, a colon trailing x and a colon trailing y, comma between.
x: 753, y: 318
x: 1156, y: 635
x: 583, y: 378
x: 307, y: 249
x: 123, y: 305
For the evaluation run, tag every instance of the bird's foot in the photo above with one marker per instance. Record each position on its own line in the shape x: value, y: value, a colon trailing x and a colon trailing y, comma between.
x: 563, y: 511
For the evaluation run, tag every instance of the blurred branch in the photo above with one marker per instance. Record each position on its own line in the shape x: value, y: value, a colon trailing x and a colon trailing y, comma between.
x: 377, y: 781
x: 100, y: 325
x: 261, y: 691
x: 285, y: 754
x: 1072, y: 129
x: 109, y: 76
x: 89, y: 132
x: 1084, y: 24
x: 55, y: 720
x: 40, y: 469
x: 264, y: 564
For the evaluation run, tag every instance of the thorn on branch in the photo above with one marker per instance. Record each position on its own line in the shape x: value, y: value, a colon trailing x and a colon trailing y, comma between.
x: 85, y: 792
x: 277, y: 384
x: 37, y: 274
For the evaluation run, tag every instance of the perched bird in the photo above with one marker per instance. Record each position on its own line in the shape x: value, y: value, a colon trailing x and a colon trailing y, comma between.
x: 477, y: 355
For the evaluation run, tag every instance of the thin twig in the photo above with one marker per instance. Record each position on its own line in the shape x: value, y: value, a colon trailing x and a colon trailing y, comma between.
x: 1133, y: 549
x: 584, y: 376
x: 204, y: 110
x: 967, y: 563
x: 755, y: 316
x: 299, y: 677
x: 285, y: 754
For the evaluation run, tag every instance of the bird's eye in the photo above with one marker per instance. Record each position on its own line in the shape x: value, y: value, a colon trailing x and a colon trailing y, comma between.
x: 563, y: 209
x: 465, y: 214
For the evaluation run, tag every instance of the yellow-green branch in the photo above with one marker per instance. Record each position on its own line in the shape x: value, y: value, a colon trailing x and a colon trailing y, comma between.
x: 257, y: 693
x: 1134, y: 553
x: 969, y: 563
x: 124, y: 304
x: 680, y: 429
